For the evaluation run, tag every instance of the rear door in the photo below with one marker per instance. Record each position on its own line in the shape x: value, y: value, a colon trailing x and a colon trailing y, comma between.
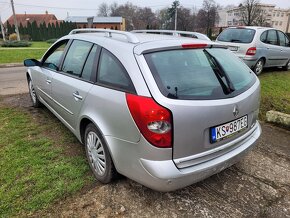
x: 284, y: 47
x: 273, y: 50
x: 71, y: 85
x: 191, y: 90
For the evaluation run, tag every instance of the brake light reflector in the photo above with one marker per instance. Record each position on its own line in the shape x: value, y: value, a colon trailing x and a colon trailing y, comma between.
x: 251, y: 51
x: 153, y: 120
x: 194, y: 45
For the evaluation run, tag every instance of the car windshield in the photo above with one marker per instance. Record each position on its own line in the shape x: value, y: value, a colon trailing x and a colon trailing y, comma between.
x: 211, y: 73
x: 239, y: 35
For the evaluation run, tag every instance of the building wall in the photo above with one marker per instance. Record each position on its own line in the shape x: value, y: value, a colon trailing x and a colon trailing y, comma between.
x: 280, y: 19
x: 275, y: 17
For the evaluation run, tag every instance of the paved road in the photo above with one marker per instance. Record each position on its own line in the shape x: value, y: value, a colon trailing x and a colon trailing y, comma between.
x: 13, y: 81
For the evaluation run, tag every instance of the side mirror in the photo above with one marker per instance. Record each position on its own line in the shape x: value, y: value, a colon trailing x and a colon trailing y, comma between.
x: 31, y: 63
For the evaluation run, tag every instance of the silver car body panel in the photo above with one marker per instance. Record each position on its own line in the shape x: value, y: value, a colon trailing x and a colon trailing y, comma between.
x: 192, y: 157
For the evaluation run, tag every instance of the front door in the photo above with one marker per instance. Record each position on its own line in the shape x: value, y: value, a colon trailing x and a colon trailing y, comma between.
x: 71, y: 85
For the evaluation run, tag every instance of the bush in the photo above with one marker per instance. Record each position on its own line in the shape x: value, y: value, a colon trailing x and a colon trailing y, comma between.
x: 16, y: 44
x: 13, y: 37
x: 25, y: 37
x: 50, y: 41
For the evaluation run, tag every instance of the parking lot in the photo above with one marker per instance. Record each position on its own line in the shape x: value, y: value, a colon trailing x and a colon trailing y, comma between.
x: 258, y: 186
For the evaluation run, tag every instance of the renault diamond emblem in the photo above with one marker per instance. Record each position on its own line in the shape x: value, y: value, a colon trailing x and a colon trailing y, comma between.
x: 236, y: 111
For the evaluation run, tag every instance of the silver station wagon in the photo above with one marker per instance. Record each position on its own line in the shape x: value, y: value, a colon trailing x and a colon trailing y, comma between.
x: 163, y: 110
x: 258, y: 47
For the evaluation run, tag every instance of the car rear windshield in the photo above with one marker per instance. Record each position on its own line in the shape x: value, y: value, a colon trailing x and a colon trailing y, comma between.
x: 211, y: 73
x: 238, y: 35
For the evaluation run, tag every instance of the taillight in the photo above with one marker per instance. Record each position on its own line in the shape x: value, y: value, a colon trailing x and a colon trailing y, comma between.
x: 153, y: 120
x: 251, y: 51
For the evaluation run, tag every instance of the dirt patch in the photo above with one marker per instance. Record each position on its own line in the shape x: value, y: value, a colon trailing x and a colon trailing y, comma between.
x: 258, y: 186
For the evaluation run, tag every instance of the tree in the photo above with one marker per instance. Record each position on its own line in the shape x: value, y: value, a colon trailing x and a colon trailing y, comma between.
x: 172, y: 12
x: 251, y: 13
x: 207, y: 16
x: 128, y: 11
x: 185, y: 19
x: 146, y: 18
x: 104, y: 10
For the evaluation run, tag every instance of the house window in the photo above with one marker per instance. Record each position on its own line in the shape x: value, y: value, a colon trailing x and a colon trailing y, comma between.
x: 278, y: 14
x: 282, y: 15
x: 276, y: 23
x: 281, y: 23
x: 274, y: 14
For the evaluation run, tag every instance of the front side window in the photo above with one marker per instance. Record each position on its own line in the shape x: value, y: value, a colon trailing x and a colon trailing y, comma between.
x: 238, y: 35
x: 199, y: 73
x: 112, y: 73
x: 53, y: 57
x: 76, y: 57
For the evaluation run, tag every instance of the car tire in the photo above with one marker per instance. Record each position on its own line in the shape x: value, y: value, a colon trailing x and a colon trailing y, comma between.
x: 98, y: 155
x: 287, y: 66
x: 35, y: 101
x: 258, y: 68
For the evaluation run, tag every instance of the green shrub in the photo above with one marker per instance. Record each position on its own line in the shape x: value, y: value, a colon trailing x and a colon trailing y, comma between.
x: 50, y: 41
x: 16, y: 44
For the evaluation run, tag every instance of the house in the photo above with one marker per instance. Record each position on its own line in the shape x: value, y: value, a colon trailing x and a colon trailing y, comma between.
x: 116, y: 23
x: 23, y: 19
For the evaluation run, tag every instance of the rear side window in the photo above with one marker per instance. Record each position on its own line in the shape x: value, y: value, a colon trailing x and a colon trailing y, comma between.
x: 89, y: 65
x: 76, y: 57
x: 272, y: 37
x: 238, y: 35
x: 112, y: 73
x: 189, y: 74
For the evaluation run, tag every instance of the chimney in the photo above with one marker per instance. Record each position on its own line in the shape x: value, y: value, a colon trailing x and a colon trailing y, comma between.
x: 46, y: 12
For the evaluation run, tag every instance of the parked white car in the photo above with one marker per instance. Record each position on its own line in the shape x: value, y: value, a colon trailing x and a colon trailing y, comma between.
x: 258, y: 47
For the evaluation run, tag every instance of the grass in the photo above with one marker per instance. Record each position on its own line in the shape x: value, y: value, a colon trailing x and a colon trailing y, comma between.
x: 34, y: 170
x: 17, y: 55
x: 275, y: 92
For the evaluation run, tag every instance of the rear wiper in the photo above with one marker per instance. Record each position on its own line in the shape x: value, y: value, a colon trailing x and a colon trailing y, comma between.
x: 235, y: 40
x: 220, y: 73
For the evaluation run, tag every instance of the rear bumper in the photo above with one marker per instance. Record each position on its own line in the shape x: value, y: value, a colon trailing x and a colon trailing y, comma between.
x: 249, y: 60
x: 165, y: 176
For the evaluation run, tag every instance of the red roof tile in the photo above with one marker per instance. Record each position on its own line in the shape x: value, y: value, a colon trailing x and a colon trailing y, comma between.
x: 39, y: 18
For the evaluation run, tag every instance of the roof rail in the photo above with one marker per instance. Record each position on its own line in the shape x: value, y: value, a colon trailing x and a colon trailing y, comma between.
x: 172, y: 32
x: 130, y: 37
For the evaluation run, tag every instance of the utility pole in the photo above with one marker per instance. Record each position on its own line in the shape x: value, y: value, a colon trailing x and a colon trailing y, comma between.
x: 2, y: 29
x: 15, y: 21
x: 175, y: 24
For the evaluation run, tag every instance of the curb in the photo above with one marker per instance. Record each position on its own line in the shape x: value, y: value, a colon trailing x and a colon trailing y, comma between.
x: 278, y: 118
x: 11, y: 65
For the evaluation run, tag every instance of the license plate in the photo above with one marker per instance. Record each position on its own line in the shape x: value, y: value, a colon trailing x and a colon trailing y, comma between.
x: 226, y: 130
x: 233, y: 48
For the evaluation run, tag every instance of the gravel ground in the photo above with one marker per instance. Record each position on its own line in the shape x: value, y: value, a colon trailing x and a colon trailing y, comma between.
x: 258, y: 186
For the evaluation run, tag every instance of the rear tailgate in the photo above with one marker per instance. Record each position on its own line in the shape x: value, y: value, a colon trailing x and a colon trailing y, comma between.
x: 193, y: 119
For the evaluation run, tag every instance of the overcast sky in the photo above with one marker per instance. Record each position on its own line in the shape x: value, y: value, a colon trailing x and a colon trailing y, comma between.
x: 90, y: 7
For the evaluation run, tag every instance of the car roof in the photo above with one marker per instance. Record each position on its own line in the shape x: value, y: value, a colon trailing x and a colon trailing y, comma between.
x: 251, y: 27
x: 139, y: 42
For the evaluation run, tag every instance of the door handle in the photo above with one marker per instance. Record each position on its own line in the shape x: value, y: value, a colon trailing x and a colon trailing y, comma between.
x: 77, y: 96
x: 48, y: 81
